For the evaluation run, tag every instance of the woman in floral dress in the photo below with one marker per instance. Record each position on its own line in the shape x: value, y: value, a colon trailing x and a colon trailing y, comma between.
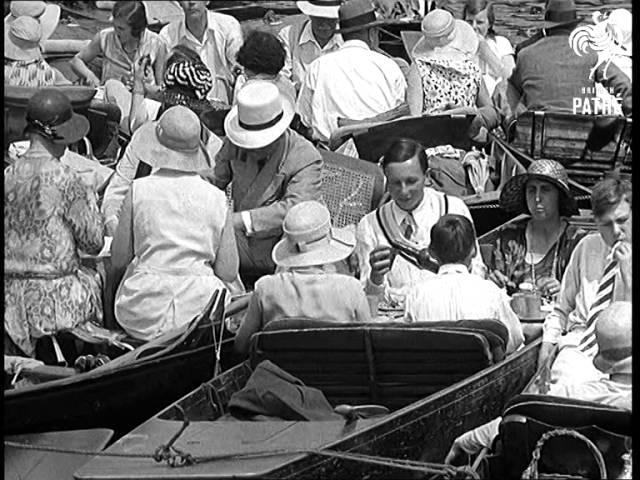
x: 49, y: 214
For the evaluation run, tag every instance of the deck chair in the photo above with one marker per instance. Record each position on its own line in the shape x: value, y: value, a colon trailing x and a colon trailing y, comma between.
x: 374, y: 363
x: 527, y: 417
x: 587, y: 145
x: 351, y: 187
x: 409, y: 40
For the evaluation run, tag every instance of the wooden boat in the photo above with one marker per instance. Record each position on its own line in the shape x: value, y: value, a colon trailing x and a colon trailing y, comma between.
x: 122, y: 393
x: 587, y: 145
x: 433, y: 399
x: 26, y: 464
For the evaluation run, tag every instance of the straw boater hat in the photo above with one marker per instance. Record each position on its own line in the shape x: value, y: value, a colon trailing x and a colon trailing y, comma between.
x: 47, y: 14
x: 260, y: 117
x: 50, y: 114
x: 441, y: 33
x: 512, y: 197
x: 22, y: 39
x: 560, y: 12
x: 173, y: 141
x: 613, y: 334
x: 309, y: 238
x: 358, y: 15
x: 320, y: 8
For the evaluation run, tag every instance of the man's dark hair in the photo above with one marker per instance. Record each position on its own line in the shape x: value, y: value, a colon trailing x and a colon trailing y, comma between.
x: 261, y: 52
x: 402, y: 149
x: 453, y: 238
x: 608, y: 193
x: 134, y: 14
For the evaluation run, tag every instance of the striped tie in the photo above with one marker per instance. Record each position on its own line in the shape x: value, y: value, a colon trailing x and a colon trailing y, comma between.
x: 408, y: 226
x: 604, y: 296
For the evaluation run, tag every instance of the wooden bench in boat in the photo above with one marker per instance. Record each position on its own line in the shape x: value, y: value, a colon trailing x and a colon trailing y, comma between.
x: 528, y: 416
x: 391, y: 364
x: 566, y: 138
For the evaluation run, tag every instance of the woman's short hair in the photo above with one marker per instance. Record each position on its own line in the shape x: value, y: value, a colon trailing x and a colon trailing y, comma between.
x: 133, y: 13
x: 261, y: 52
x: 473, y: 7
x: 608, y: 193
x: 453, y: 238
x: 402, y: 149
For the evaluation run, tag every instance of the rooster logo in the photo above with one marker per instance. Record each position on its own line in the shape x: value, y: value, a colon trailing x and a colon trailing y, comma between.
x: 598, y: 38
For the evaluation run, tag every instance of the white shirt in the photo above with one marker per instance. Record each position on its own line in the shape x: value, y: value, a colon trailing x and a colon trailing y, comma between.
x: 298, y: 59
x: 501, y: 47
x: 403, y: 274
x: 456, y: 294
x: 578, y: 291
x: 218, y: 49
x: 353, y: 82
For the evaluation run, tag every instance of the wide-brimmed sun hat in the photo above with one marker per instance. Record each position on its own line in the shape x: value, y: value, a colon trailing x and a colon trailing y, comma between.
x: 613, y: 334
x: 560, y: 12
x: 356, y: 15
x: 50, y: 114
x: 260, y: 116
x: 309, y: 238
x: 443, y: 33
x: 173, y: 141
x: 46, y: 13
x: 512, y: 196
x: 22, y: 39
x: 320, y: 8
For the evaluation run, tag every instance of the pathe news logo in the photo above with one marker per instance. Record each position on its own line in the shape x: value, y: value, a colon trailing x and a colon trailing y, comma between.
x: 598, y: 39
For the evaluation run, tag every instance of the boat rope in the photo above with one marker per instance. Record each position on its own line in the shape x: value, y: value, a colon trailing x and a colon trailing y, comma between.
x: 177, y: 458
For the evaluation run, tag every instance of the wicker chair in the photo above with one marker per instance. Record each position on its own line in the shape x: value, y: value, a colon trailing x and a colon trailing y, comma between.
x: 351, y: 187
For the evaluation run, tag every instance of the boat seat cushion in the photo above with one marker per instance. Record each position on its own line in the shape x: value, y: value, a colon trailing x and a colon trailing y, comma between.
x: 375, y: 363
x: 528, y: 417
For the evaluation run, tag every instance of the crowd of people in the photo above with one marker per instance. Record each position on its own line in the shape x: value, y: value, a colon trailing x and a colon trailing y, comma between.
x: 210, y: 109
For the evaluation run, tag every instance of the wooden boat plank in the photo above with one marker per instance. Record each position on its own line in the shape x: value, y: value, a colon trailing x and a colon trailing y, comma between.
x: 22, y: 464
x: 217, y: 438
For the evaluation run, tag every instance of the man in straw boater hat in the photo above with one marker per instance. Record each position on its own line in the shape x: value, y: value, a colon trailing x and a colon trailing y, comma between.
x: 272, y: 168
x: 567, y: 74
x: 310, y: 283
x: 369, y: 83
x: 599, y: 272
x: 613, y: 361
x: 309, y: 38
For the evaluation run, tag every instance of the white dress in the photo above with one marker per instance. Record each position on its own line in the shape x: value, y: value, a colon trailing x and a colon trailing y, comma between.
x: 177, y: 225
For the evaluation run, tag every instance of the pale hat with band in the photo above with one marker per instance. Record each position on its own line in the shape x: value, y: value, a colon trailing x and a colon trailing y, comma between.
x: 613, y: 334
x: 260, y: 117
x: 46, y: 13
x: 357, y: 15
x: 173, y: 141
x: 309, y: 239
x: 320, y: 8
x: 442, y: 32
x: 22, y: 39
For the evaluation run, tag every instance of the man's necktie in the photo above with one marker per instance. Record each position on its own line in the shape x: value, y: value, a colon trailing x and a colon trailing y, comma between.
x: 604, y: 296
x: 408, y: 226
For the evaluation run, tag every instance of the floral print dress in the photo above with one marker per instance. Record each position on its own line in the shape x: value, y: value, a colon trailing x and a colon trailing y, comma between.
x: 48, y: 215
x: 448, y: 82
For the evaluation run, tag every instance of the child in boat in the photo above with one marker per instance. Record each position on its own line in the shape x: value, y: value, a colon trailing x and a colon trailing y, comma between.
x: 614, y: 360
x: 455, y: 293
x: 310, y: 281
